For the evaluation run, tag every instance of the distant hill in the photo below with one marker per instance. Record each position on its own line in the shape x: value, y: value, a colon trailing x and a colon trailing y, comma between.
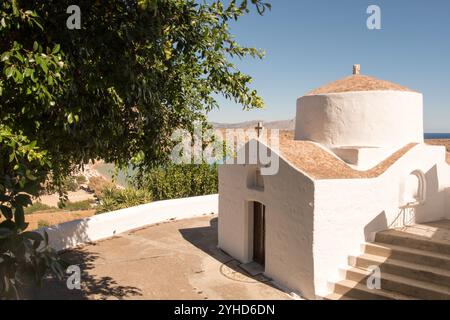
x: 281, y: 124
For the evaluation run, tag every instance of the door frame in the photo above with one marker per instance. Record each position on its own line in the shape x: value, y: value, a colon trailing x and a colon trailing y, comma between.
x: 251, y: 227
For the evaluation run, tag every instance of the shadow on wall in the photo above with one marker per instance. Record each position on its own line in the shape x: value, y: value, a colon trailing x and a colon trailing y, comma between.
x: 68, y: 234
x: 92, y: 287
x: 433, y: 197
x: 430, y: 210
x: 377, y: 224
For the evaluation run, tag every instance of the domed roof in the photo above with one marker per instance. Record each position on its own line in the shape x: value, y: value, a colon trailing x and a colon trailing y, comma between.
x: 358, y: 82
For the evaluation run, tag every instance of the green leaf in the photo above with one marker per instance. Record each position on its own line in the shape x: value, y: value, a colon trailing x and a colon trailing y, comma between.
x: 22, y: 200
x: 5, y: 56
x: 9, y: 72
x: 56, y: 49
x: 44, y: 66
x: 30, y: 176
x: 35, y: 46
x: 6, y: 211
x: 12, y: 156
x: 19, y: 218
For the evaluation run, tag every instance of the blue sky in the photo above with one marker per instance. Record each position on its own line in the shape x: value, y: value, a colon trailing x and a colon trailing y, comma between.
x: 312, y: 42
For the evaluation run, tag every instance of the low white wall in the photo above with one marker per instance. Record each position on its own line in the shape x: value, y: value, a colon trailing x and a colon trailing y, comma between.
x: 70, y: 234
x: 349, y: 212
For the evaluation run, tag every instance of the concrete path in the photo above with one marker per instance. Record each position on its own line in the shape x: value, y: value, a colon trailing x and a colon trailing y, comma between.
x: 174, y: 260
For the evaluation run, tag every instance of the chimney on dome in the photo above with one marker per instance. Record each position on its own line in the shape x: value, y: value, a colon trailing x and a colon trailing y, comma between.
x: 356, y: 69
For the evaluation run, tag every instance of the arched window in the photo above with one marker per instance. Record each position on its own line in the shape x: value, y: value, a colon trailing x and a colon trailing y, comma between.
x: 259, y: 179
x: 414, y: 189
x: 255, y: 179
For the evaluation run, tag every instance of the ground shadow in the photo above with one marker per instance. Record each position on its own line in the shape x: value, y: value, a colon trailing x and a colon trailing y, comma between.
x: 206, y: 239
x: 92, y: 287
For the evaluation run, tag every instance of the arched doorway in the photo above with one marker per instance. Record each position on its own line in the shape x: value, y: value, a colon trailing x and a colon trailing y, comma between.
x: 259, y: 233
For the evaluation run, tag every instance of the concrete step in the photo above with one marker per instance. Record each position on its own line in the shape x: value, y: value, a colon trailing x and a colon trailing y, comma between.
x: 401, y: 285
x: 336, y: 296
x: 415, y: 241
x: 422, y: 257
x: 354, y: 290
x: 410, y: 270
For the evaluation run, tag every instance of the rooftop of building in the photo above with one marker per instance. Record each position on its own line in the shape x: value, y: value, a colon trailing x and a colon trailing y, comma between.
x: 358, y: 82
x: 318, y: 163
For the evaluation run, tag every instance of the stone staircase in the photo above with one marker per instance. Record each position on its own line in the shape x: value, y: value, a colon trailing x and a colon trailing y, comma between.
x: 414, y: 262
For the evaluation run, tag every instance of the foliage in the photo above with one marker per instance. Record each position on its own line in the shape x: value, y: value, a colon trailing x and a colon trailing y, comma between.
x: 80, y: 179
x: 38, y: 206
x: 24, y: 256
x: 98, y: 184
x: 78, y: 205
x: 161, y: 183
x: 43, y: 224
x: 115, y: 199
x: 145, y: 68
x: 115, y: 90
x: 24, y: 259
x: 180, y: 181
x: 70, y: 184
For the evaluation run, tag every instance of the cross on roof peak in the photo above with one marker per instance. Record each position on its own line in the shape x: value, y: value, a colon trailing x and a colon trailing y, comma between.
x: 259, y: 127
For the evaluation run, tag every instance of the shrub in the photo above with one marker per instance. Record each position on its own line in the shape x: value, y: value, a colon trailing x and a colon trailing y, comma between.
x: 81, y: 179
x: 43, y: 223
x: 70, y: 184
x: 77, y: 206
x: 37, y: 206
x: 180, y: 181
x: 98, y: 184
x: 115, y: 199
x: 67, y: 206
x: 25, y: 257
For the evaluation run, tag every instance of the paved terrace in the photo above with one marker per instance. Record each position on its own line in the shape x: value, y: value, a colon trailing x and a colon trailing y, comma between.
x: 173, y: 260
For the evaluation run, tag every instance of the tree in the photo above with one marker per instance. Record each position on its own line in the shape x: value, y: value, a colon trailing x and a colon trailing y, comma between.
x: 116, y: 89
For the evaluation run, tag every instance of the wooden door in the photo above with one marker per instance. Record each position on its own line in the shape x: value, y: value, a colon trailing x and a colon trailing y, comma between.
x: 259, y: 232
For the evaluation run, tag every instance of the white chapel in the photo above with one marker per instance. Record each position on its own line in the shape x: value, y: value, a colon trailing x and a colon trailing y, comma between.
x: 356, y: 187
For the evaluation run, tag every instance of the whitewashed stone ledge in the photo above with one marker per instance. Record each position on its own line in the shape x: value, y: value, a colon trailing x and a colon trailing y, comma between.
x: 73, y: 233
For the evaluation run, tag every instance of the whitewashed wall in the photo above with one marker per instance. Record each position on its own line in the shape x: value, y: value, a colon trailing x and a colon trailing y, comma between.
x: 288, y: 197
x: 348, y: 212
x: 73, y: 233
x: 313, y: 226
x: 365, y: 118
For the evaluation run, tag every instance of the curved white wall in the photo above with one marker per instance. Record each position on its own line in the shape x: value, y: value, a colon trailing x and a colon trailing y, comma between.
x: 363, y: 118
x: 73, y: 233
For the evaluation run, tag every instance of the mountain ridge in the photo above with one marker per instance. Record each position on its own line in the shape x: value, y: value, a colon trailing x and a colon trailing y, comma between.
x: 279, y: 124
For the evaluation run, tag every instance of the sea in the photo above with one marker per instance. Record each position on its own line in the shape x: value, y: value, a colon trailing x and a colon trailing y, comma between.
x: 437, y: 135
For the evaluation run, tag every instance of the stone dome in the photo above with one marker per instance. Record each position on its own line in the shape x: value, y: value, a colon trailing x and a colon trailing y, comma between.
x: 358, y: 82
